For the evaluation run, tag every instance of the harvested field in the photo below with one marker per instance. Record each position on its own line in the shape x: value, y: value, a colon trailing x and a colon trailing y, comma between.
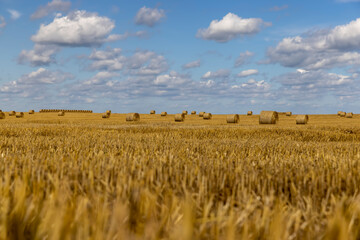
x: 157, y: 179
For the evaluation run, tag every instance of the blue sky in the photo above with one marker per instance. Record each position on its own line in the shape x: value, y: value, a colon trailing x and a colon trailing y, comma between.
x: 220, y: 57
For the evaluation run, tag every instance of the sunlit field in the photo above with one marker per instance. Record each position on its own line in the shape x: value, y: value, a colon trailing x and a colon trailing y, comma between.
x: 80, y: 176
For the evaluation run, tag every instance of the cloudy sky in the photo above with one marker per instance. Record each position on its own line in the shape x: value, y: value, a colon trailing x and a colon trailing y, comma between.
x: 170, y: 55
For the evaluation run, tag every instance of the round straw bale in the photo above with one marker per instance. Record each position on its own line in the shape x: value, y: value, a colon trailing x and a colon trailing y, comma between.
x: 61, y: 113
x: 2, y: 115
x: 19, y: 114
x: 207, y: 116
x: 268, y: 117
x: 12, y: 113
x: 342, y: 114
x: 152, y: 112
x: 132, y: 117
x: 185, y: 112
x: 193, y: 112
x: 31, y: 112
x: 179, y: 117
x: 249, y: 113
x: 339, y: 112
x: 163, y: 114
x: 105, y: 115
x: 201, y: 114
x: 108, y: 112
x: 288, y: 114
x: 232, y: 118
x: 302, y: 119
x: 349, y: 115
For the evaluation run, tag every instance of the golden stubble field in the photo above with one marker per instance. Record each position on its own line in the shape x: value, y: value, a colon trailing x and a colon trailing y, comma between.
x: 83, y: 177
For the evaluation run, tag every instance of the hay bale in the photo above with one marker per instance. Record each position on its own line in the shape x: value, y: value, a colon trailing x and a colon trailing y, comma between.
x: 132, y: 117
x: 268, y: 117
x: 249, y: 113
x: 152, y: 112
x: 339, y: 112
x: 193, y: 112
x: 288, y: 114
x: 207, y: 116
x: 349, y: 115
x: 61, y: 113
x: 31, y: 112
x: 2, y: 115
x: 108, y: 112
x: 19, y: 115
x: 163, y: 114
x: 179, y: 117
x: 232, y: 118
x: 302, y: 119
x: 12, y: 113
x: 105, y: 115
x: 201, y: 114
x: 185, y: 112
x: 342, y: 114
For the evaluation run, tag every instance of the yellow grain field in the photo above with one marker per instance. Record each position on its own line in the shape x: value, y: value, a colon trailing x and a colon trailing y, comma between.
x: 80, y: 177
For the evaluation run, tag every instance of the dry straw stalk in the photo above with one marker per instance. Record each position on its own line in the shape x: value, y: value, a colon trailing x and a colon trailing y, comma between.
x: 302, y: 119
x: 179, y: 117
x: 234, y: 118
x: 133, y: 117
x: 349, y: 115
x: 268, y: 117
x: 207, y: 116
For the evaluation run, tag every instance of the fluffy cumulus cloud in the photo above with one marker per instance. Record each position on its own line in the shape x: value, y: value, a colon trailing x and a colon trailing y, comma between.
x: 53, y: 6
x: 230, y: 27
x: 243, y: 58
x: 193, y: 64
x: 247, y: 73
x: 321, y: 49
x: 77, y: 29
x: 312, y: 84
x: 149, y: 16
x: 219, y: 74
x: 140, y: 63
x: 28, y: 85
x: 14, y: 14
x: 41, y: 55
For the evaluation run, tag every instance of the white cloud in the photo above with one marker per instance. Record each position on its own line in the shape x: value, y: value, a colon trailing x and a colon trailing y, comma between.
x: 193, y: 64
x: 44, y: 76
x: 35, y: 85
x: 53, y: 6
x: 2, y: 22
x: 247, y: 73
x: 172, y: 79
x: 279, y: 8
x: 77, y: 29
x: 254, y: 85
x: 336, y: 47
x: 230, y: 27
x: 14, y: 14
x: 140, y: 63
x: 149, y: 16
x: 41, y: 55
x: 243, y: 58
x: 221, y: 73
